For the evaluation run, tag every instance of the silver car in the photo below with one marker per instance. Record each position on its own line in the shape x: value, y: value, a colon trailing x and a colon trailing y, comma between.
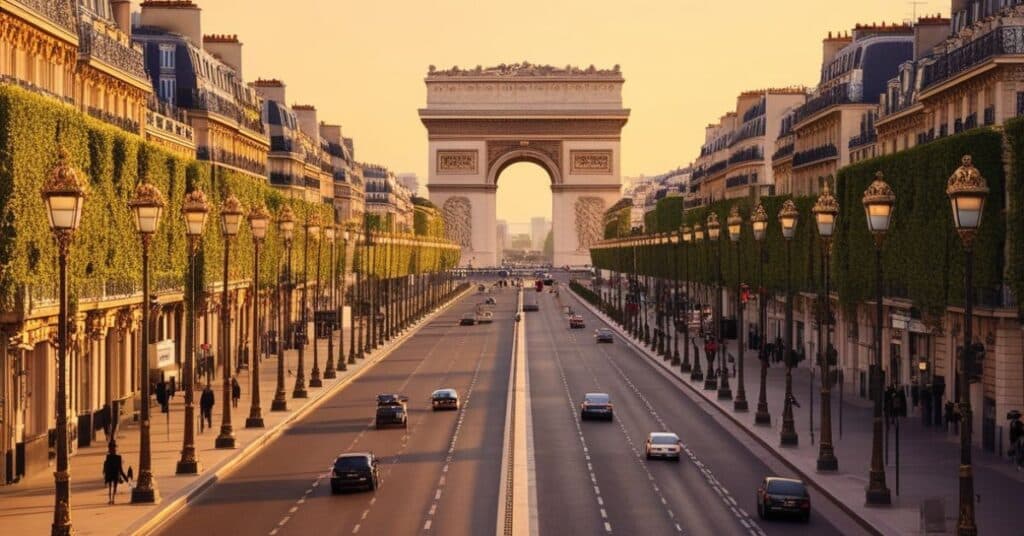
x: 663, y: 445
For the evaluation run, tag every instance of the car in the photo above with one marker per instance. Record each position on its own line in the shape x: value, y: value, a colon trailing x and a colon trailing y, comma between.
x: 576, y: 322
x: 604, y: 335
x: 663, y: 445
x: 392, y: 410
x: 596, y: 406
x: 355, y: 471
x: 447, y: 398
x: 484, y: 317
x: 468, y: 319
x: 490, y: 301
x: 788, y: 496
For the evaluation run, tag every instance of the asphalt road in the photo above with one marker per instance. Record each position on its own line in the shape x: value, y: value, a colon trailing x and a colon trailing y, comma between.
x: 593, y: 478
x: 441, y: 476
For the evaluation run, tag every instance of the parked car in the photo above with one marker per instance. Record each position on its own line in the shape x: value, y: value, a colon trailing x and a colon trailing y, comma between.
x: 392, y: 410
x: 468, y: 319
x: 788, y: 496
x: 604, y: 335
x: 663, y: 445
x: 355, y: 471
x: 596, y: 406
x: 576, y: 322
x: 447, y: 398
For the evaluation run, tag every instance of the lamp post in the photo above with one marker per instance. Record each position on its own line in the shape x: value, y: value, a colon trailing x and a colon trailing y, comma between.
x: 735, y: 222
x: 352, y: 315
x: 759, y: 225
x: 286, y: 225
x: 329, y: 372
x: 64, y: 196
x: 826, y: 211
x: 676, y: 243
x: 687, y: 235
x: 788, y: 217
x: 259, y: 220
x: 230, y: 221
x: 312, y: 229
x: 645, y: 289
x: 147, y: 206
x: 195, y: 210
x: 714, y: 232
x: 967, y: 190
x: 696, y: 374
x: 355, y: 347
x: 879, y: 201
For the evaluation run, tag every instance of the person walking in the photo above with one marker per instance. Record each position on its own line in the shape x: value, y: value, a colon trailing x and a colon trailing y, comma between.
x: 1016, y: 438
x: 236, y: 392
x: 206, y: 401
x: 113, y: 471
x: 161, y: 396
x: 172, y: 387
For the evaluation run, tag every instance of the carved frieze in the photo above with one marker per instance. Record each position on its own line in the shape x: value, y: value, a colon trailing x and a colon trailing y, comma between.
x: 524, y: 69
x: 591, y: 162
x: 457, y: 162
x: 589, y: 214
x: 458, y: 220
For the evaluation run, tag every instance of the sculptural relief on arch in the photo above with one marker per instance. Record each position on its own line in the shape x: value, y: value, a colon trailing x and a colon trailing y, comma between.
x: 566, y: 120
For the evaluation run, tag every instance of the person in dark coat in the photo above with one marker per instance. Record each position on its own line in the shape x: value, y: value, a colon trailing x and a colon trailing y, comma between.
x: 113, y: 471
x: 236, y: 392
x: 206, y: 401
x: 778, y: 350
x: 172, y: 387
x: 161, y: 396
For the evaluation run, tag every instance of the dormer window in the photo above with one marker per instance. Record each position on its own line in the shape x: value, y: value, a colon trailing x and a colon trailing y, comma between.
x: 167, y: 56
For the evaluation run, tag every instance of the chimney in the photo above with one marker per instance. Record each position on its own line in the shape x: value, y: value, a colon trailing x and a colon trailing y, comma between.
x: 929, y: 32
x: 270, y: 89
x: 306, y: 114
x: 831, y: 45
x: 122, y: 15
x: 227, y: 48
x: 331, y: 133
x: 177, y: 16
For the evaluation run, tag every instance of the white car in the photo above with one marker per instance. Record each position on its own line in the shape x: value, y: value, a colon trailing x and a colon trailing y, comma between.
x: 663, y: 445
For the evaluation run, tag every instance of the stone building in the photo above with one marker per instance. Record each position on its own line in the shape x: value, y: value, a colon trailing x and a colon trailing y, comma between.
x: 202, y: 74
x: 387, y: 198
x: 349, y: 189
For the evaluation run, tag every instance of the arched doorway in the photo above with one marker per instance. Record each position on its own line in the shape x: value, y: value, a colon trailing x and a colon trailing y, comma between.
x: 480, y: 121
x: 524, y: 214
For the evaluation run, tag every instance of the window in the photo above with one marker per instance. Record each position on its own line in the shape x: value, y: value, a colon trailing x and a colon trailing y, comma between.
x: 168, y: 89
x: 167, y: 56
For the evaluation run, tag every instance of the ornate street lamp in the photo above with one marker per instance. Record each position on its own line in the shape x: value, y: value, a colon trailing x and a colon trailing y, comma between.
x: 696, y: 374
x: 311, y: 232
x: 675, y: 242
x: 259, y: 220
x: 687, y: 236
x: 329, y: 372
x: 711, y: 383
x: 759, y: 225
x: 788, y: 218
x: 879, y: 201
x: 64, y: 195
x: 826, y: 211
x: 147, y: 205
x: 195, y: 210
x: 352, y: 315
x: 286, y: 226
x: 735, y: 222
x: 230, y: 220
x: 967, y: 191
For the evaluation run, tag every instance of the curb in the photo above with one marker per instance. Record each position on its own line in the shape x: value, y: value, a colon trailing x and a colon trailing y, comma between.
x: 809, y: 477
x: 150, y: 522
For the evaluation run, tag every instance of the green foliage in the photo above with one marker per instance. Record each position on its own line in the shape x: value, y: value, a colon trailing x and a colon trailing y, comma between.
x: 106, y: 252
x: 1015, y: 212
x: 617, y: 219
x: 650, y: 222
x: 427, y: 221
x: 669, y: 212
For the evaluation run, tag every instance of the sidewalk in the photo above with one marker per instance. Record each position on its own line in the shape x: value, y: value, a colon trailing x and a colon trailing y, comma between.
x: 929, y: 457
x: 27, y: 507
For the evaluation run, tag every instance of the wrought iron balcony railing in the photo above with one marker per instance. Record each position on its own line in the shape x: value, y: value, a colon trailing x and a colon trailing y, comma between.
x: 816, y: 154
x: 998, y: 42
x: 127, y: 57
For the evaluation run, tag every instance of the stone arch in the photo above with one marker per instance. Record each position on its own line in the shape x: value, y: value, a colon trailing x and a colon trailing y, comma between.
x: 524, y: 155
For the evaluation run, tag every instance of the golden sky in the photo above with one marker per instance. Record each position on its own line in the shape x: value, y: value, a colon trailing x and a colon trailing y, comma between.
x: 362, y: 62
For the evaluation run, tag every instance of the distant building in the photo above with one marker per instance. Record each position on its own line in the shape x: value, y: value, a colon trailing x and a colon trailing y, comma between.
x: 539, y: 228
x: 503, y: 236
x: 387, y: 198
x: 410, y: 181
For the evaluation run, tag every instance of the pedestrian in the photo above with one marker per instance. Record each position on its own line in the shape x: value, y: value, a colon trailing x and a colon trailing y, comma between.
x: 206, y: 401
x: 1016, y: 438
x: 948, y: 414
x: 113, y: 471
x: 161, y: 395
x: 236, y: 392
x: 777, y: 358
x: 172, y: 387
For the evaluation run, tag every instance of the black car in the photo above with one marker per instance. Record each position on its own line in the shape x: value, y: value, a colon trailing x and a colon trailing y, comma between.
x: 355, y: 471
x: 604, y: 335
x: 468, y: 319
x: 392, y: 411
x: 490, y: 301
x: 444, y: 399
x: 788, y: 496
x: 596, y: 406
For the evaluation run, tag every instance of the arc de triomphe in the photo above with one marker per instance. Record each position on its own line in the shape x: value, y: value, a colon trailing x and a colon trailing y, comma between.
x: 566, y: 120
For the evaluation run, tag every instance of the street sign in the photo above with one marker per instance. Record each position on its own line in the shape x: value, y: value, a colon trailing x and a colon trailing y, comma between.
x: 163, y: 351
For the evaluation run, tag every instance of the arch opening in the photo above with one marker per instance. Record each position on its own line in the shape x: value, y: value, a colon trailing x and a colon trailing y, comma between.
x: 524, y: 212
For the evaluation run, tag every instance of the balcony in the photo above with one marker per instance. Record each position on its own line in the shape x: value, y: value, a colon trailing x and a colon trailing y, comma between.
x: 29, y: 86
x: 224, y: 157
x: 282, y: 144
x: 746, y: 155
x: 841, y: 94
x: 783, y: 152
x: 169, y: 120
x: 283, y: 179
x: 60, y: 13
x: 121, y: 122
x: 741, y: 180
x: 201, y: 99
x: 863, y: 139
x: 817, y: 154
x: 1000, y: 41
x: 311, y: 183
x: 717, y: 167
x: 126, y: 57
